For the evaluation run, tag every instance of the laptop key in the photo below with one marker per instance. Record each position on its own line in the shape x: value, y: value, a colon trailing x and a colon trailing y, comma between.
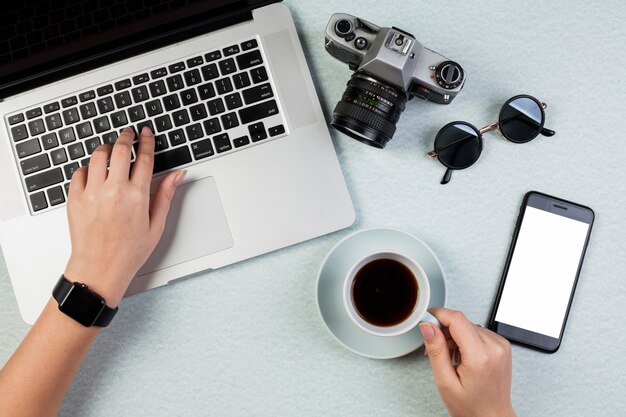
x: 141, y: 125
x: 49, y: 141
x: 241, y: 80
x: 84, y: 162
x: 50, y: 107
x: 58, y: 156
x: 122, y: 99
x: 87, y: 95
x: 188, y: 96
x: 233, y: 101
x: 32, y: 113
x: 88, y: 110
x: 257, y: 131
x: 140, y: 94
x: 136, y: 113
x: 242, y: 141
x: 222, y: 143
x: 123, y: 84
x: 16, y: 118
x: 171, y: 159
x: 202, y: 149
x: 227, y: 66
x: 192, y: 77
x: 177, y: 137
x: 157, y: 88
x: 194, y: 131
x: 212, y: 126
x: 249, y: 59
x: 28, y: 148
x: 213, y: 56
x: 109, y: 138
x: 71, y: 116
x: 206, y: 91
x: 216, y: 106
x: 258, y: 93
x: 103, y: 91
x: 76, y: 151
x: 54, y: 121
x: 101, y: 124
x: 36, y: 127
x: 141, y: 78
x: 231, y: 50
x: 92, y: 144
x: 171, y: 102
x: 160, y: 143
x: 119, y: 119
x: 163, y: 123
x: 44, y: 179
x: 258, y: 111
x: 67, y: 135
x: 210, y: 72
x: 153, y: 108
x: 229, y: 120
x: 181, y: 117
x: 38, y: 201
x: 105, y: 105
x: 69, y: 101
x: 224, y: 86
x: 247, y: 45
x: 83, y: 130
x: 35, y: 164
x: 70, y: 169
x: 55, y: 195
x: 19, y: 133
x: 258, y: 75
x: 177, y: 67
x: 194, y: 62
x: 198, y: 112
x: 175, y: 83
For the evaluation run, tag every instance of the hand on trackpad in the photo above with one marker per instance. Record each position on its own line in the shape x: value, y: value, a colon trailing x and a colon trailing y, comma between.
x: 196, y: 226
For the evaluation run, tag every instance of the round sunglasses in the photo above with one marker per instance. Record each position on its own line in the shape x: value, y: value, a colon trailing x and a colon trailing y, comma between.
x: 459, y: 144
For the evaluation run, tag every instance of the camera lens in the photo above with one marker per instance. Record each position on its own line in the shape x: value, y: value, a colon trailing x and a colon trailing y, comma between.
x: 343, y: 27
x: 368, y: 111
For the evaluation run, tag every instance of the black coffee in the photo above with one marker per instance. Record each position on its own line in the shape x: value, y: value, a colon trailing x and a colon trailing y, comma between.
x: 384, y: 292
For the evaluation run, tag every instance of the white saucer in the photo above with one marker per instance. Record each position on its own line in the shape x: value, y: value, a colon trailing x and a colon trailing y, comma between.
x: 330, y: 286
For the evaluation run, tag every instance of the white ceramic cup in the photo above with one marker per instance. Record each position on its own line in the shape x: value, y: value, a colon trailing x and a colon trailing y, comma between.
x: 419, y: 313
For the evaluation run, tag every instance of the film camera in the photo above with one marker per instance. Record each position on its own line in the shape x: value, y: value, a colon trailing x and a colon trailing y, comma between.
x: 390, y: 67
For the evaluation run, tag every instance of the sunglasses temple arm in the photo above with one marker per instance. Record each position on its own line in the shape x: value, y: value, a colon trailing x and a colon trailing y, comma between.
x: 547, y: 132
x: 446, y: 177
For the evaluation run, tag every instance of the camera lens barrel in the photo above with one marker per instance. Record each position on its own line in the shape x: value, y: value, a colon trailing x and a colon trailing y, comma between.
x: 369, y: 110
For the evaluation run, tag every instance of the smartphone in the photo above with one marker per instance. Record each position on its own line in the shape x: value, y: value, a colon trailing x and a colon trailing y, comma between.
x: 541, y: 271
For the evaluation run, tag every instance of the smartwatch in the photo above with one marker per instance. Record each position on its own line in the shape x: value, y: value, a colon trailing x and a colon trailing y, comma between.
x: 77, y: 301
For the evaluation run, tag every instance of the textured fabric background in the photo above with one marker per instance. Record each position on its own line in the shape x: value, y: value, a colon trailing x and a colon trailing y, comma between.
x: 247, y: 339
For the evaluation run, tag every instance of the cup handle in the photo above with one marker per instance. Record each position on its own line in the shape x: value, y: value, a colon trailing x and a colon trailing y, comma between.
x: 429, y: 318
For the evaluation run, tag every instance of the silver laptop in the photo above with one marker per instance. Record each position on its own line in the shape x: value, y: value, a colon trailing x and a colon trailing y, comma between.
x: 224, y: 85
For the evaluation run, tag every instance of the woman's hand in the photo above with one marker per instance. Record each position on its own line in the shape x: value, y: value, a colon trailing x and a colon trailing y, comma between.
x: 113, y: 226
x: 481, y: 384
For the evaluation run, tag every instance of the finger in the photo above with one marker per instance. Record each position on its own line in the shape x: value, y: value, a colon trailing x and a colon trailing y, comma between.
x: 464, y: 332
x: 142, y: 171
x: 97, y: 172
x: 78, y: 182
x: 488, y: 335
x: 444, y: 373
x: 121, y: 155
x: 161, y: 202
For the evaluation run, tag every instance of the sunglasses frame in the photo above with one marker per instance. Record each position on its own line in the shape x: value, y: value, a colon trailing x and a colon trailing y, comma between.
x: 494, y: 126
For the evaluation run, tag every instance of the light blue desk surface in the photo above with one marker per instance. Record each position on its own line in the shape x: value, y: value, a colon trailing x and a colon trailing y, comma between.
x: 247, y: 339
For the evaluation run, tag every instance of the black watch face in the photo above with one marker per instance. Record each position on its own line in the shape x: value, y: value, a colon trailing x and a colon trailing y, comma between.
x: 82, y: 305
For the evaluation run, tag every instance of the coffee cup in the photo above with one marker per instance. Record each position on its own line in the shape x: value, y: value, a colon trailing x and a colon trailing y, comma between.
x: 386, y: 293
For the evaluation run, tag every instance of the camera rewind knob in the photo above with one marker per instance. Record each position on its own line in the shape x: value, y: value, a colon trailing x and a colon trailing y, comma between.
x: 449, y: 75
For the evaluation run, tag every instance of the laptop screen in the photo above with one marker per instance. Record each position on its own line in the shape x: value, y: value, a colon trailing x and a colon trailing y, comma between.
x: 38, y: 36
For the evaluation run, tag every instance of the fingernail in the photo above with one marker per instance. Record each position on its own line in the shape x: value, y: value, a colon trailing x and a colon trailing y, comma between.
x: 179, y: 178
x: 427, y: 331
x: 146, y: 131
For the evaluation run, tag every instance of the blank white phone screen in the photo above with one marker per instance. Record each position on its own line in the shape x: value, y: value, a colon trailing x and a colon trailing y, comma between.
x: 542, y: 272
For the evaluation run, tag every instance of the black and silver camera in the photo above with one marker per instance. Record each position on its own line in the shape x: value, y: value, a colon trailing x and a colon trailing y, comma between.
x: 391, y: 67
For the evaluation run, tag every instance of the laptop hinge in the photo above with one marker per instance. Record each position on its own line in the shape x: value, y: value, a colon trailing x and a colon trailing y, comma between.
x: 96, y: 60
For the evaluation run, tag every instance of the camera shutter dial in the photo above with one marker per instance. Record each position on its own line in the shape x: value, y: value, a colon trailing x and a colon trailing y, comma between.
x: 449, y: 75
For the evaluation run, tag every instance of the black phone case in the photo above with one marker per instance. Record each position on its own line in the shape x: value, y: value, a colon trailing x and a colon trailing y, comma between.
x: 494, y: 308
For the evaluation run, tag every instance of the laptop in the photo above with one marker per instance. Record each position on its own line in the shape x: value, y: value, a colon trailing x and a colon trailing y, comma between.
x: 225, y: 87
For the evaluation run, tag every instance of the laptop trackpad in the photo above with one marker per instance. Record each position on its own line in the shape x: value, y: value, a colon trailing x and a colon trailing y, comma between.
x: 196, y: 226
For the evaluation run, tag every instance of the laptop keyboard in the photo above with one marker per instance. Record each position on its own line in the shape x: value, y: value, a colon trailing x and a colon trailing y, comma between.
x: 202, y: 107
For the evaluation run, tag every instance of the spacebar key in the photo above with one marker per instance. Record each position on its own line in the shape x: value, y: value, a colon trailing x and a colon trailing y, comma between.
x: 258, y: 111
x: 171, y: 159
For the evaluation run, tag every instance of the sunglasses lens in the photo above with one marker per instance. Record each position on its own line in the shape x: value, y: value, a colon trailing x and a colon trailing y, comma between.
x: 521, y: 120
x: 458, y: 145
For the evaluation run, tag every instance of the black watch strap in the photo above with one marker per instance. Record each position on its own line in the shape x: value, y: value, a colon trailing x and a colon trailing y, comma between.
x: 63, y: 289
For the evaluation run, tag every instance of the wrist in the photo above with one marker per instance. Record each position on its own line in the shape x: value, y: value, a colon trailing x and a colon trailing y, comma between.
x: 108, y: 283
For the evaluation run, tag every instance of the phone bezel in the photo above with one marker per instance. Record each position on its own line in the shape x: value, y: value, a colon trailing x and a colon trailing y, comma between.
x: 560, y: 207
